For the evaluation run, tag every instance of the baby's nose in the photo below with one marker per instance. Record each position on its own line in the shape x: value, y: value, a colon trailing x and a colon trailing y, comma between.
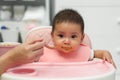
x: 67, y: 41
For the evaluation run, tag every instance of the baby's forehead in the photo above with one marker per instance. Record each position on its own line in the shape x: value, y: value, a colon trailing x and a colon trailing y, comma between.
x: 68, y: 32
x: 68, y: 26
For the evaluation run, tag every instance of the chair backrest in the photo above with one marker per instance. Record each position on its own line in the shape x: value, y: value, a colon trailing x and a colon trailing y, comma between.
x: 44, y: 33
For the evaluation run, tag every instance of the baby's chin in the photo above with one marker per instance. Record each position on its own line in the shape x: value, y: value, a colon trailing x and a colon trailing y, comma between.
x: 66, y: 51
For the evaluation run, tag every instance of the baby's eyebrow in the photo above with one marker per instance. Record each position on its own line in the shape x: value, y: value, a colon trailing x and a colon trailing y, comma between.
x: 60, y: 32
x: 75, y: 33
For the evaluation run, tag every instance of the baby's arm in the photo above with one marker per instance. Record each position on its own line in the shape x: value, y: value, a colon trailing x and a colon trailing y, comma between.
x: 105, y: 55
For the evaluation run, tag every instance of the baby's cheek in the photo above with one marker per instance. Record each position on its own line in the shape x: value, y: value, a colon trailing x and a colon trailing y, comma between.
x: 75, y: 44
x: 57, y: 43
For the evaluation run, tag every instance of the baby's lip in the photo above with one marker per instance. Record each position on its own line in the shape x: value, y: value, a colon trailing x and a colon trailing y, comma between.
x: 66, y: 48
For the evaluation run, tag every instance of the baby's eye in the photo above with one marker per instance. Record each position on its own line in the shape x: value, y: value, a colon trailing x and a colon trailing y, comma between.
x: 60, y: 35
x: 73, y: 36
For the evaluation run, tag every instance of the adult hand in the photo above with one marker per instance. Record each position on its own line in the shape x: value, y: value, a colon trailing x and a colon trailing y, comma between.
x: 23, y: 53
x: 28, y: 52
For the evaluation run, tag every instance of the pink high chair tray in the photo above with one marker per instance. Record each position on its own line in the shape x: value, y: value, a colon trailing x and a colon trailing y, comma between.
x: 91, y: 70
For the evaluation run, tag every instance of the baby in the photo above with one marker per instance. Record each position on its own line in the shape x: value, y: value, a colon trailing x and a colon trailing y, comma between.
x: 67, y: 34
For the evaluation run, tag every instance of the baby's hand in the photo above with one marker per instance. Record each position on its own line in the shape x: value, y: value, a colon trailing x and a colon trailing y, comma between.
x: 107, y: 57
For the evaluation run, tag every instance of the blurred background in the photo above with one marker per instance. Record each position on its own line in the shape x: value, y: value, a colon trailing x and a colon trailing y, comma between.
x: 102, y: 20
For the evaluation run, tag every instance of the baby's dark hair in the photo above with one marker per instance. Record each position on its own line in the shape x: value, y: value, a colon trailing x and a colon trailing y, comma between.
x: 68, y: 15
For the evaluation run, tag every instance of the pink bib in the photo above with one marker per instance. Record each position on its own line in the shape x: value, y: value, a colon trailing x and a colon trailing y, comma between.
x: 52, y: 55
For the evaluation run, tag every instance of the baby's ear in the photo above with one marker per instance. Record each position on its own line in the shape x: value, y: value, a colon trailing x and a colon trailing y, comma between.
x: 83, y: 35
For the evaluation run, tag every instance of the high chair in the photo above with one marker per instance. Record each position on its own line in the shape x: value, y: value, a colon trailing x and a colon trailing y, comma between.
x: 89, y: 70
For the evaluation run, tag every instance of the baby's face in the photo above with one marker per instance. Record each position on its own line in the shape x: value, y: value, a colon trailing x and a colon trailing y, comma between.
x: 67, y: 37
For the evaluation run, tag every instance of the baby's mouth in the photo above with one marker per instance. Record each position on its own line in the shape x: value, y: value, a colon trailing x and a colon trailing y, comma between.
x: 66, y: 48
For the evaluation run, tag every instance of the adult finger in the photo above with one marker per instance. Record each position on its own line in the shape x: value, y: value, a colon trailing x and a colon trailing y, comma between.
x: 37, y: 54
x: 36, y: 46
x: 38, y: 51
